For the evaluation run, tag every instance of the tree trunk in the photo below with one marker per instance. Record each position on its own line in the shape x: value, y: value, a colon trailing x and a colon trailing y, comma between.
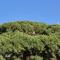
x: 26, y: 58
x: 58, y: 57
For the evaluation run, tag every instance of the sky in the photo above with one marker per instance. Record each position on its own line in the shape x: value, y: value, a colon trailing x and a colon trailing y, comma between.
x: 47, y: 11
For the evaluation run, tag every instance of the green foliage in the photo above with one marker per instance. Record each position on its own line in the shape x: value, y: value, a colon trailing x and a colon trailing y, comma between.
x: 36, y: 58
x: 23, y: 39
x: 1, y: 57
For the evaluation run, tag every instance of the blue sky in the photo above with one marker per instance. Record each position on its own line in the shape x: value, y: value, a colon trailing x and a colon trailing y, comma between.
x: 47, y: 11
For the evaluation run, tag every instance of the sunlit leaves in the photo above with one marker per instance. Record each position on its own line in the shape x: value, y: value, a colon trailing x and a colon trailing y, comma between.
x: 17, y: 38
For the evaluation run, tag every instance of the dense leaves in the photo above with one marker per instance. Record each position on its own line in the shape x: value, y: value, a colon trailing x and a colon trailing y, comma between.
x: 29, y: 41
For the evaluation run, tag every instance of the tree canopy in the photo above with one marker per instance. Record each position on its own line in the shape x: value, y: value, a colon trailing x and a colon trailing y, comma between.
x: 25, y: 40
